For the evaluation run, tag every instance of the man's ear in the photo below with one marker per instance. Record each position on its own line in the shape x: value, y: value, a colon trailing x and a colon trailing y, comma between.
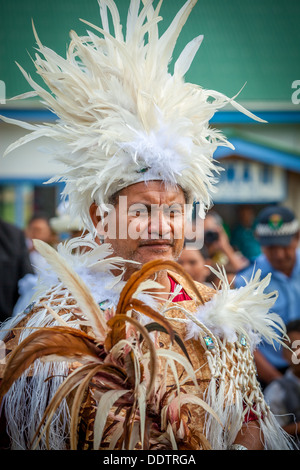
x: 97, y: 221
x: 94, y: 214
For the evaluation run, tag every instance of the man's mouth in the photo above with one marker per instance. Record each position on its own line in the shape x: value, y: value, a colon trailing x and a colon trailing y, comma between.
x: 156, y: 243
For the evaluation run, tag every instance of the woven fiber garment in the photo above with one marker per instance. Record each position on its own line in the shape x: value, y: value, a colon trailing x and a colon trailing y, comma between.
x: 202, y: 391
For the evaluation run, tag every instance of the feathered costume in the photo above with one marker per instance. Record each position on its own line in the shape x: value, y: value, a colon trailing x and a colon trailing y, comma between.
x: 123, y: 117
x: 99, y: 363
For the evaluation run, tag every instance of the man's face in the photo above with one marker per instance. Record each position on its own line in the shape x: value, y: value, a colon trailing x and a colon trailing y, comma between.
x: 193, y: 263
x: 39, y: 229
x: 282, y: 258
x: 149, y: 222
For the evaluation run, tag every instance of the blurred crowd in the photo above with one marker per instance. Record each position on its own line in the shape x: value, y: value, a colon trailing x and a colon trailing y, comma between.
x: 268, y: 241
x: 20, y: 262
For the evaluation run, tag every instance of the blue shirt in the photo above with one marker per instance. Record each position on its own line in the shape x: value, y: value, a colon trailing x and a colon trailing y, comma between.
x: 244, y: 240
x: 287, y: 305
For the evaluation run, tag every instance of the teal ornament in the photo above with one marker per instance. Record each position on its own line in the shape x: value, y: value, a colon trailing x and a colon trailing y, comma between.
x: 103, y: 305
x: 143, y: 170
x: 209, y: 342
x: 243, y: 340
x: 29, y: 308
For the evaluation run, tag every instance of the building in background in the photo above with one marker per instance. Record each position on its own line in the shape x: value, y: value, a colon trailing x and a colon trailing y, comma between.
x: 251, y: 43
x: 23, y: 174
x: 263, y: 169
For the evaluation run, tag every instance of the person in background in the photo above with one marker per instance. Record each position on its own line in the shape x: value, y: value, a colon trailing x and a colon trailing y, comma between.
x: 14, y: 265
x: 50, y: 231
x: 63, y: 225
x: 243, y: 236
x: 277, y: 231
x: 217, y: 244
x: 39, y: 228
x: 283, y: 394
x: 194, y: 263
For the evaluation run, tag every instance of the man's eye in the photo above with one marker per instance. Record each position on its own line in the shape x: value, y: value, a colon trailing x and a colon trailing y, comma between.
x: 176, y: 209
x: 174, y: 212
x: 141, y: 212
x: 137, y: 211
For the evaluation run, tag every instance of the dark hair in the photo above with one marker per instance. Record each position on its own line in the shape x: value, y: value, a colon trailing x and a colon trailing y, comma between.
x: 38, y: 216
x: 113, y: 199
x: 293, y: 326
x: 203, y: 250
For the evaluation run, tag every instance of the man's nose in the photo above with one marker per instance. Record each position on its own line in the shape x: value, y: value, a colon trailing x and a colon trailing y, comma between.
x: 159, y: 223
x: 279, y: 253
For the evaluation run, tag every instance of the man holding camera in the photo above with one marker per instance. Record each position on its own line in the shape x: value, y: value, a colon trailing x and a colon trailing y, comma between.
x: 218, y: 246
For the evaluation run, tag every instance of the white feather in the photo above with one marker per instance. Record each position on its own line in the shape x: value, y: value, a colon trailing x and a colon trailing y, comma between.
x: 247, y: 310
x: 93, y: 263
x: 120, y: 110
x: 74, y: 284
x: 185, y: 59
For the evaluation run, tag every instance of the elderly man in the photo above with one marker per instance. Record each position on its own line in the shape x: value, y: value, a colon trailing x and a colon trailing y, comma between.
x: 149, y: 359
x: 278, y: 234
x: 160, y: 212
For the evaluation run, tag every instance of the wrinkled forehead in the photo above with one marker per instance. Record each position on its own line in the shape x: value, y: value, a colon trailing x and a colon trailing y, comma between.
x: 151, y: 192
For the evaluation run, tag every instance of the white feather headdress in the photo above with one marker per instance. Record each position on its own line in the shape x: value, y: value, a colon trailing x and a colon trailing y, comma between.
x: 123, y: 117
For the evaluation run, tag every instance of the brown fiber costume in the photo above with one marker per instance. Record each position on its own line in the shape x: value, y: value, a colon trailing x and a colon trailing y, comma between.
x: 197, y: 351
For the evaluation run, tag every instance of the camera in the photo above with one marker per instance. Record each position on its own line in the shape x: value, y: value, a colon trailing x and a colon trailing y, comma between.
x: 210, y: 237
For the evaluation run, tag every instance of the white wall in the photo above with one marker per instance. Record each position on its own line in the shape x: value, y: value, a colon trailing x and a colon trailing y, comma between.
x: 26, y: 162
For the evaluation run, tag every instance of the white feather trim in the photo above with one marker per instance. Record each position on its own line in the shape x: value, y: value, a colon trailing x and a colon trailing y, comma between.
x: 244, y: 311
x: 93, y: 263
